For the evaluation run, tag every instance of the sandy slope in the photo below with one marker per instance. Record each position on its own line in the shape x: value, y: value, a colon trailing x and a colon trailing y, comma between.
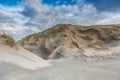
x: 65, y: 70
x: 21, y: 57
x: 62, y: 39
x: 19, y: 65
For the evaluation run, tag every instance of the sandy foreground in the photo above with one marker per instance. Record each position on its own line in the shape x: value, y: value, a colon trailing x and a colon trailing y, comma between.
x: 21, y: 57
x: 23, y: 65
x: 65, y: 70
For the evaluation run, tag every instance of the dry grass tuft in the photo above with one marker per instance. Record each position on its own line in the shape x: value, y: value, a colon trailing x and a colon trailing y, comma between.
x: 7, y: 40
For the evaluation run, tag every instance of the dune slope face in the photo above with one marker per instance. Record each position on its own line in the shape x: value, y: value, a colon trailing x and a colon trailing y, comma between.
x: 65, y: 40
x: 10, y: 52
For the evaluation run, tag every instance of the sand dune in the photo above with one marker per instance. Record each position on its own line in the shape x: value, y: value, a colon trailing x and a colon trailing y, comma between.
x: 21, y: 57
x: 20, y: 64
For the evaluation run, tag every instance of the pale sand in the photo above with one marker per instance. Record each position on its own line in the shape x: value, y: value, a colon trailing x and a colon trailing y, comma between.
x: 65, y: 70
x: 21, y: 57
x: 90, y: 52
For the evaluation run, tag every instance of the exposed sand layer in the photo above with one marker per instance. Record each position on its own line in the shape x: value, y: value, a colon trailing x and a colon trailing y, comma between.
x: 21, y: 57
x: 63, y: 40
x: 111, y: 51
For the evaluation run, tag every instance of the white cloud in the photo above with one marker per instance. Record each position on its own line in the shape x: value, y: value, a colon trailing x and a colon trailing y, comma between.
x: 16, y: 30
x: 12, y: 29
x: 12, y: 22
x: 110, y: 18
x: 45, y: 16
x: 11, y: 14
x: 34, y: 16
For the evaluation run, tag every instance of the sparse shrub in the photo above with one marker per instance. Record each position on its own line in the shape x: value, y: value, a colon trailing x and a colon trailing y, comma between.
x: 7, y: 40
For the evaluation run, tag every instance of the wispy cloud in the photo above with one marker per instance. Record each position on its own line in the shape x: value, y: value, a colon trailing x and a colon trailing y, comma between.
x: 34, y: 16
x: 12, y: 22
x: 81, y: 13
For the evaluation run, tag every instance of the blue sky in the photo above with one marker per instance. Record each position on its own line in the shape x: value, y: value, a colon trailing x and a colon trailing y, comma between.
x: 59, y: 2
x: 50, y: 2
x: 110, y: 5
x: 9, y: 2
x: 19, y: 18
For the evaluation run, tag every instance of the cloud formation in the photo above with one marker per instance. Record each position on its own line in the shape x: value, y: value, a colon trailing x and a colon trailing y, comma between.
x: 45, y: 15
x: 12, y: 22
x: 106, y: 5
x: 34, y: 16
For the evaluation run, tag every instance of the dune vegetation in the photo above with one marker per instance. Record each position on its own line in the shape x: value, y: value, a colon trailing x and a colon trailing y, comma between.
x: 7, y: 40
